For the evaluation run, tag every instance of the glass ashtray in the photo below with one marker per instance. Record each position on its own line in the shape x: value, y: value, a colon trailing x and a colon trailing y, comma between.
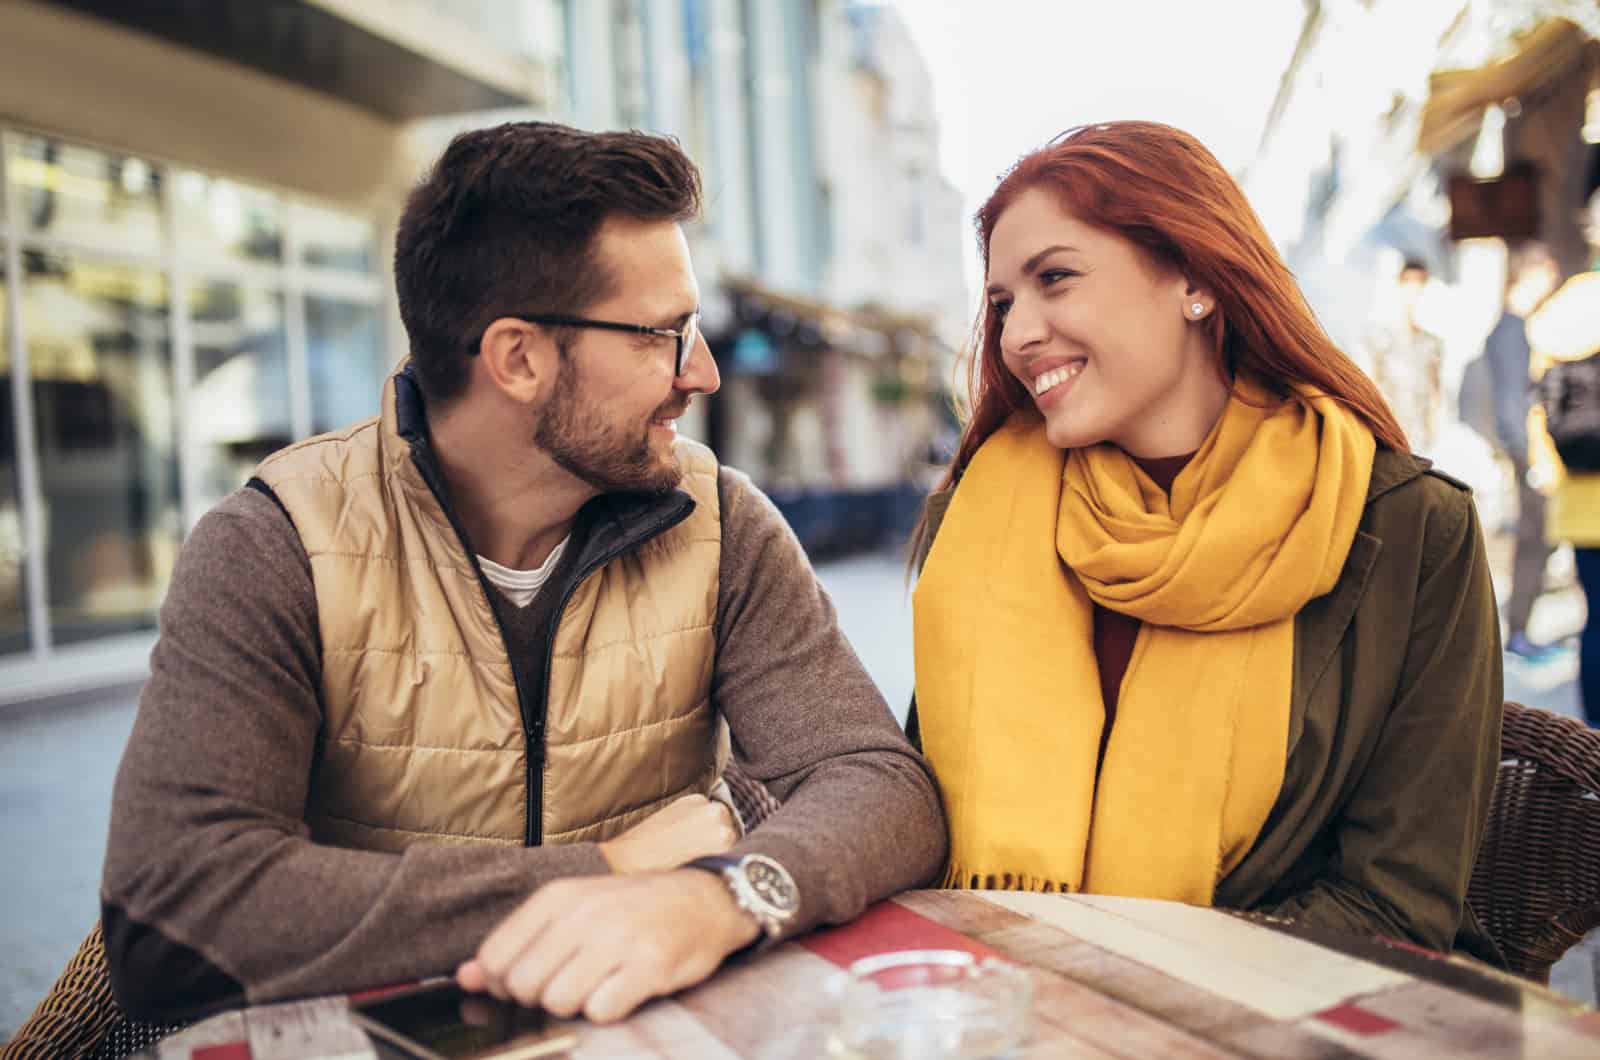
x: 929, y: 1005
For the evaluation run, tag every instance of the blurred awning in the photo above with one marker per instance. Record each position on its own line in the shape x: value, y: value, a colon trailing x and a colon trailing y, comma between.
x: 402, y: 61
x: 868, y: 330
x: 1457, y: 98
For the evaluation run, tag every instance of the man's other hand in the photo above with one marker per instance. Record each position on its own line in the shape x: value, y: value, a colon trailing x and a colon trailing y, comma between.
x: 603, y: 946
x: 687, y: 828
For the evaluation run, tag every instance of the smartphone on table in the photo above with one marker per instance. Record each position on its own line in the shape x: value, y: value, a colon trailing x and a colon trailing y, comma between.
x: 437, y: 1020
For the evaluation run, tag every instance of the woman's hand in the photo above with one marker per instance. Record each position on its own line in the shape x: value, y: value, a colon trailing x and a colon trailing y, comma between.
x: 688, y: 828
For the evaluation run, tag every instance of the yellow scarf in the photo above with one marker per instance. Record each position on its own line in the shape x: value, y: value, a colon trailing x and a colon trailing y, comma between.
x: 1008, y: 694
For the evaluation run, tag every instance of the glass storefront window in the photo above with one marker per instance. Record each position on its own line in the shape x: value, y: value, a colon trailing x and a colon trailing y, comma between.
x: 333, y: 240
x: 224, y: 220
x: 13, y: 571
x: 344, y: 342
x: 239, y: 409
x: 79, y: 193
x: 96, y: 301
x: 100, y: 361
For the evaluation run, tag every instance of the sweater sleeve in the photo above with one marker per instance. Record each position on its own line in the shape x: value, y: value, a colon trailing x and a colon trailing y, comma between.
x: 861, y: 818
x: 213, y: 891
x: 1407, y: 838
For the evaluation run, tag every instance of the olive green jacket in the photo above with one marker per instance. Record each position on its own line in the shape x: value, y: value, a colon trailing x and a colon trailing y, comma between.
x: 1394, y: 726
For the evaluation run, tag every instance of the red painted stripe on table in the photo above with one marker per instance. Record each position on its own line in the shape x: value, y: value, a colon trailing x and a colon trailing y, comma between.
x: 229, y: 1051
x: 886, y: 927
x: 1357, y: 1020
x: 375, y: 993
x: 1412, y: 947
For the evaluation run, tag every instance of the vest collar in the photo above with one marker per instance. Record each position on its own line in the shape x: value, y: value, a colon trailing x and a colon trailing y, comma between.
x: 406, y: 405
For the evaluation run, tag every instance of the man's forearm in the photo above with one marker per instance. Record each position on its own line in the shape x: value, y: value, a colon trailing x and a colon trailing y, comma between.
x: 212, y: 886
x: 861, y: 817
x: 228, y: 911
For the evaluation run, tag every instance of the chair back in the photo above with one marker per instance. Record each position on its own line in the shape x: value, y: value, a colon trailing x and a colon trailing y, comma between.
x: 1536, y: 883
x: 75, y: 1015
x: 79, y: 1017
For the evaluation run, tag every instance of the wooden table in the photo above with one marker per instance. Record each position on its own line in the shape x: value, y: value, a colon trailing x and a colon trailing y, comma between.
x: 1113, y: 978
x: 1132, y: 978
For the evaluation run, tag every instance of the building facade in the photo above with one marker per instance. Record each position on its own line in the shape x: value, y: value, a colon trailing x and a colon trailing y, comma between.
x: 1383, y: 103
x: 829, y: 252
x: 1385, y: 107
x: 197, y: 201
x: 196, y: 205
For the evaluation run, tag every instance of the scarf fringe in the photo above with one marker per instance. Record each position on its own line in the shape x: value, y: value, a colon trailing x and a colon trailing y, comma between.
x: 963, y: 879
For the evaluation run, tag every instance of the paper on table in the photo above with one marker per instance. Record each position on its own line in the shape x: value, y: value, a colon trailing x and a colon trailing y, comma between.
x: 224, y: 1029
x: 318, y: 1029
x: 1281, y: 977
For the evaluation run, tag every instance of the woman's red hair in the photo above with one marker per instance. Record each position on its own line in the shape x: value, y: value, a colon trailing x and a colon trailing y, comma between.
x: 1161, y: 189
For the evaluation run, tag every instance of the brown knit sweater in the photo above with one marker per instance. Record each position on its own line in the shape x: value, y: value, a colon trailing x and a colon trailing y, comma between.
x: 213, y: 893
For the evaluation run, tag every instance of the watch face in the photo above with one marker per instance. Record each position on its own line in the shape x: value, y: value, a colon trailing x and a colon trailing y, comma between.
x: 772, y: 884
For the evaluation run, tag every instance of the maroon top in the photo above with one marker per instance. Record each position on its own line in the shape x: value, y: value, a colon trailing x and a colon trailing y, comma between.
x: 1114, y: 632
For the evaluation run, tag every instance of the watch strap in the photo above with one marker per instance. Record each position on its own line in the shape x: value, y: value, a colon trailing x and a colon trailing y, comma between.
x: 714, y: 863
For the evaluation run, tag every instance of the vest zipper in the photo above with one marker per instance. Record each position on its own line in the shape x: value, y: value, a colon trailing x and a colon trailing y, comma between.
x: 533, y: 736
x: 536, y: 763
x: 421, y: 458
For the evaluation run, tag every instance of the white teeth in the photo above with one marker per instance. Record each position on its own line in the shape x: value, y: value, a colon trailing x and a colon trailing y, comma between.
x: 1055, y: 377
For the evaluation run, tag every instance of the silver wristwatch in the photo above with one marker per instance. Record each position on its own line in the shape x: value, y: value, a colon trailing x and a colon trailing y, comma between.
x: 760, y: 886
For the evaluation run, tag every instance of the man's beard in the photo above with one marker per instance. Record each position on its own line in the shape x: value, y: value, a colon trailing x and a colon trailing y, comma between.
x: 611, y: 457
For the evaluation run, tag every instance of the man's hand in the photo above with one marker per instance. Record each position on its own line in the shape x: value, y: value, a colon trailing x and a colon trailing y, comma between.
x: 687, y: 828
x: 604, y: 945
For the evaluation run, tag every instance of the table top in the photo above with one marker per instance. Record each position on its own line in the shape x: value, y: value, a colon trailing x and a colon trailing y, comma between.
x: 1125, y: 977
x: 1113, y: 978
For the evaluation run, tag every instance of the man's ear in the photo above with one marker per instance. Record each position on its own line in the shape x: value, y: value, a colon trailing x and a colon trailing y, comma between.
x: 518, y: 359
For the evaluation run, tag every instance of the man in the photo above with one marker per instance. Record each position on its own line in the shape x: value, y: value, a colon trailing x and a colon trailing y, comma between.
x: 1407, y: 362
x: 1531, y: 276
x: 431, y: 690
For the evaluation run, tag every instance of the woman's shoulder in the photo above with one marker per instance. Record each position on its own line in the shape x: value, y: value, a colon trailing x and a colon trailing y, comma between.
x: 1410, y: 497
x: 1405, y: 480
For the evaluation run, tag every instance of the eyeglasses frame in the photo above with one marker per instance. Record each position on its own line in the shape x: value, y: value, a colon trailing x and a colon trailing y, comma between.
x: 684, y: 336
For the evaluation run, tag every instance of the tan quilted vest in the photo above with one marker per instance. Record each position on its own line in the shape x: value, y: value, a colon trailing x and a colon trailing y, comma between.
x: 422, y: 736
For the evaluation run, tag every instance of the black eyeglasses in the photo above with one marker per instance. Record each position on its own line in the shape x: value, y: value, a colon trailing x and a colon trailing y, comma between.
x: 685, y: 336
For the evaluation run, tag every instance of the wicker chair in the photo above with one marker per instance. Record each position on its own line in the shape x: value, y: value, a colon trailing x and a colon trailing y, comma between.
x: 1536, y: 884
x: 79, y: 1018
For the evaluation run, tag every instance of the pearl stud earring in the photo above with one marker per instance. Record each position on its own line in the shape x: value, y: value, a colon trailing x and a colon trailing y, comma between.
x: 1197, y: 308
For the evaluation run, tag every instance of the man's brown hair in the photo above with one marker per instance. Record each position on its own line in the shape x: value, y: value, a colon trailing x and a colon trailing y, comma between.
x: 505, y: 222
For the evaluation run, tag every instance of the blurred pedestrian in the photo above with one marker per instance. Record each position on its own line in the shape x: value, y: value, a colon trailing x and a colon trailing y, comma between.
x: 1564, y: 336
x: 1194, y: 623
x: 1531, y: 275
x: 1407, y: 360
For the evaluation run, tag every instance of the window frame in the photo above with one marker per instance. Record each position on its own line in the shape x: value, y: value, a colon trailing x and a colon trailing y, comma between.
x: 184, y: 268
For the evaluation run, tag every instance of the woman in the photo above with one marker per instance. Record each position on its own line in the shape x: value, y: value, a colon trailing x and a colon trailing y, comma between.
x: 1194, y: 624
